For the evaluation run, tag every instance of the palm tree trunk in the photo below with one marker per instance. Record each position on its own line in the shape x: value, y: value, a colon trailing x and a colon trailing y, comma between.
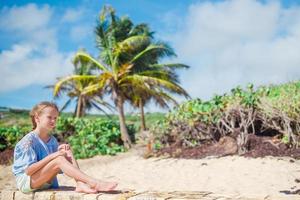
x: 83, y: 107
x: 124, y: 133
x: 143, y: 122
x: 78, y: 110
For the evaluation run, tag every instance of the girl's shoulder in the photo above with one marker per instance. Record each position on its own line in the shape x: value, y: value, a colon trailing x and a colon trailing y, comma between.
x: 27, y: 141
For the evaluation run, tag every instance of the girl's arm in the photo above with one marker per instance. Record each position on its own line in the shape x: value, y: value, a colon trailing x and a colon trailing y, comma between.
x: 38, y: 165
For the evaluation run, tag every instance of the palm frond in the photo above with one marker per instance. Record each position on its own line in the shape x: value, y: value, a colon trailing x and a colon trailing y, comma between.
x: 141, y: 29
x: 158, y: 82
x: 99, y: 84
x: 66, y: 105
x: 169, y: 76
x: 104, y: 103
x: 170, y: 66
x: 65, y: 80
x: 159, y: 50
x: 132, y: 44
x: 86, y: 57
x: 99, y: 108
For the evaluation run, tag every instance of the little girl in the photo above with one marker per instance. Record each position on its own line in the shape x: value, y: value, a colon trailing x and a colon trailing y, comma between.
x: 38, y: 158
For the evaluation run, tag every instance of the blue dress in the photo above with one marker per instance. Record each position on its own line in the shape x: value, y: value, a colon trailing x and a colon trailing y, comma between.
x: 31, y: 149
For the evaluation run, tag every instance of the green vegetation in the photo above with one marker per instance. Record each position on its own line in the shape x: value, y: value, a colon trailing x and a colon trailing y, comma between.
x: 11, y: 117
x: 267, y: 110
x: 271, y: 110
x: 9, y: 136
x: 88, y: 136
x: 91, y: 137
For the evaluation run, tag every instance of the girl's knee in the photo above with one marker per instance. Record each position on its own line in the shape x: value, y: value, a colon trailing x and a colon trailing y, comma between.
x: 59, y: 160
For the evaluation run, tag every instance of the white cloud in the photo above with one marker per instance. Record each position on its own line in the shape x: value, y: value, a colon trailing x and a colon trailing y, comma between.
x: 79, y: 29
x: 78, y: 33
x: 20, y: 67
x: 235, y: 42
x: 25, y: 18
x: 72, y: 15
x: 34, y: 59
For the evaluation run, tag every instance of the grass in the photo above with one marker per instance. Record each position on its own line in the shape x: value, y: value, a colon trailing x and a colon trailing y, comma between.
x: 12, y: 117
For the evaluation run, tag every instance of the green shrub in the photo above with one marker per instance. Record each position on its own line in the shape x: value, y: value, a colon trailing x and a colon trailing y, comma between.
x: 274, y: 109
x: 90, y: 137
x: 87, y: 137
x: 9, y: 136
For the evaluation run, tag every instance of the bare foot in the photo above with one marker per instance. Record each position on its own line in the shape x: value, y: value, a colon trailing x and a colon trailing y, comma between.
x: 84, y: 188
x: 102, y: 186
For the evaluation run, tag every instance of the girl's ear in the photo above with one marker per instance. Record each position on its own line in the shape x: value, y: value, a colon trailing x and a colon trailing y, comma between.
x: 36, y: 118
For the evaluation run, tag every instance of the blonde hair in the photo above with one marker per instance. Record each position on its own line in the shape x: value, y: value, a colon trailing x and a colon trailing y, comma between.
x: 37, y: 109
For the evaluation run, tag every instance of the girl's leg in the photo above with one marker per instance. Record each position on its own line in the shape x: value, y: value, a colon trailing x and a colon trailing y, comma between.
x: 46, y: 173
x: 80, y: 186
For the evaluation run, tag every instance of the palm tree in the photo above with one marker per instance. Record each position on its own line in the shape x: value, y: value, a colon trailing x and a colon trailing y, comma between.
x: 146, y: 63
x: 123, y: 63
x: 74, y: 86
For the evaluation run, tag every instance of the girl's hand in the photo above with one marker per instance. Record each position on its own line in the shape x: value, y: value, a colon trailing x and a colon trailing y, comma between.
x: 58, y: 153
x: 65, y: 147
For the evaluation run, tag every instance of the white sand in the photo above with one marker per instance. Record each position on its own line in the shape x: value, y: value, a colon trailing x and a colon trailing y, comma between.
x: 228, y: 175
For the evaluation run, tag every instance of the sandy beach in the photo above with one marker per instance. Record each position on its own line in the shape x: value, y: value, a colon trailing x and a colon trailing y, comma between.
x: 231, y: 175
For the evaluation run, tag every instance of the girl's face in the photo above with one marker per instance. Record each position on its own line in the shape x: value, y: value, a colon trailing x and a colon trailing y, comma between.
x: 47, y: 118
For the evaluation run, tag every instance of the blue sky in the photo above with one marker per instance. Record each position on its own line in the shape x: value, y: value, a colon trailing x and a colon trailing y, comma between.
x: 226, y: 43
